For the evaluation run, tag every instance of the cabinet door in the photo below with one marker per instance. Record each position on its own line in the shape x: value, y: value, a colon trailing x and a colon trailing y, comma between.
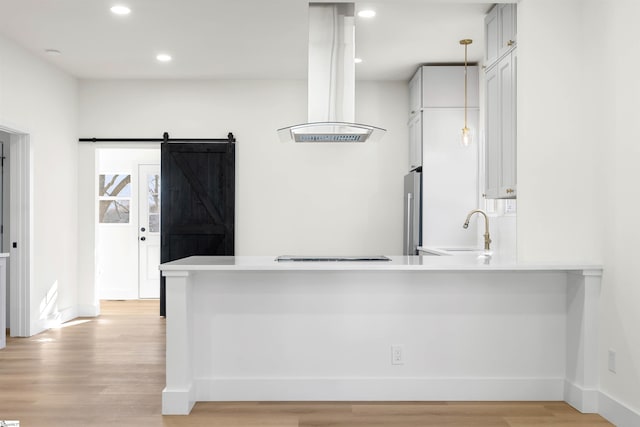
x: 491, y: 38
x: 500, y: 119
x: 507, y: 28
x: 508, y: 74
x: 443, y: 86
x: 415, y: 141
x: 415, y: 93
x: 493, y: 142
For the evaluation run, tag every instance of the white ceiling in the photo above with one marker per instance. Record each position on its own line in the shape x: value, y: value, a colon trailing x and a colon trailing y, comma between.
x: 235, y: 39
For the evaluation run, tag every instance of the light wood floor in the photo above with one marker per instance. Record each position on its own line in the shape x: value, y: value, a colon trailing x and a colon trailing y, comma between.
x: 109, y: 371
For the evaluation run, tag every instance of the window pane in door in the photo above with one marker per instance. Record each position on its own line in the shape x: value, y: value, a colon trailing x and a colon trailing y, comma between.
x: 154, y: 223
x: 114, y: 185
x: 114, y: 211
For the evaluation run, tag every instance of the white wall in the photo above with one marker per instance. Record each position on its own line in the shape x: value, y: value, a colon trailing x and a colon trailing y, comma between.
x: 619, y: 89
x: 290, y: 198
x: 558, y: 209
x: 40, y: 100
x: 88, y: 297
x: 578, y: 165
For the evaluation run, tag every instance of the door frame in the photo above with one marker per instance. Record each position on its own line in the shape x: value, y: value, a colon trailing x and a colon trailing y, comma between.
x: 96, y: 147
x: 21, y: 224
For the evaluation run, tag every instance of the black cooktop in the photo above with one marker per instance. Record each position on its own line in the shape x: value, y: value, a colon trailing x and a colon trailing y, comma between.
x: 332, y: 258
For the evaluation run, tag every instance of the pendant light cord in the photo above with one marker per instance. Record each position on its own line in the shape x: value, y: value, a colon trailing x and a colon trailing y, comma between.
x: 465, y: 86
x: 466, y: 43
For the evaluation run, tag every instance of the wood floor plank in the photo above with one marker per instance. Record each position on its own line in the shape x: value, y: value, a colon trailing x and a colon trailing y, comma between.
x: 109, y: 371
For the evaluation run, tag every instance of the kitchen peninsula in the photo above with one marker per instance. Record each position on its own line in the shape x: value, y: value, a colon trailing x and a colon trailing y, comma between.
x: 411, y: 328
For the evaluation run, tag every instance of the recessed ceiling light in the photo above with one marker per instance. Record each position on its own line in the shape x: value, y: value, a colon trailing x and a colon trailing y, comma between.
x: 52, y: 52
x: 120, y: 10
x: 163, y: 57
x: 357, y: 60
x: 367, y: 13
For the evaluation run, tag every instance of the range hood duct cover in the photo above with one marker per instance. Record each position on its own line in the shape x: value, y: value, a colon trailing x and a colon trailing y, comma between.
x: 331, y: 80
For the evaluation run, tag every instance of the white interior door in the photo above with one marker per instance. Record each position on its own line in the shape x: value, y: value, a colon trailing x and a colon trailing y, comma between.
x: 149, y: 231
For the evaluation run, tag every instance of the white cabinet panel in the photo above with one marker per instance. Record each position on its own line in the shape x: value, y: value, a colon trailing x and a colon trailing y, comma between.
x: 507, y: 27
x: 443, y: 86
x: 500, y: 30
x: 415, y: 93
x: 491, y: 37
x: 508, y: 125
x: 437, y: 86
x: 492, y: 131
x: 449, y: 178
x: 415, y: 141
x: 500, y: 102
x: 449, y: 170
x: 500, y: 128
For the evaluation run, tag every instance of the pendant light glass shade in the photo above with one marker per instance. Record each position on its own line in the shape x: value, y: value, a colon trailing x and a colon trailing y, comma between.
x: 466, y: 137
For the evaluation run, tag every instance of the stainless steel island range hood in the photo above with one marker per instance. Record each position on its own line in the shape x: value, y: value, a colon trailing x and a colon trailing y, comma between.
x: 331, y: 84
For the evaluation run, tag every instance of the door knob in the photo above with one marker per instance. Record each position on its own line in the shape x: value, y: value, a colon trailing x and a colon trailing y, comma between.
x: 143, y: 238
x: 143, y: 229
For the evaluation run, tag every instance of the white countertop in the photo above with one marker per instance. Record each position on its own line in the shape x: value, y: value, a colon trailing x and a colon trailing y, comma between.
x: 468, y: 262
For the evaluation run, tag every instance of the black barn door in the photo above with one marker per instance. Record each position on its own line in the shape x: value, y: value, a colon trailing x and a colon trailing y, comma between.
x: 198, y: 201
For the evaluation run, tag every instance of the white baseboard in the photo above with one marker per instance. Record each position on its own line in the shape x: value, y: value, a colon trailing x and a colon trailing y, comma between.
x: 376, y: 389
x: 584, y: 400
x: 54, y: 320
x: 178, y: 402
x: 67, y: 314
x: 616, y: 412
x: 88, y: 310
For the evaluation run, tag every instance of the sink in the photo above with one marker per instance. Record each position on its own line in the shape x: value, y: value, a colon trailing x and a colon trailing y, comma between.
x: 452, y: 251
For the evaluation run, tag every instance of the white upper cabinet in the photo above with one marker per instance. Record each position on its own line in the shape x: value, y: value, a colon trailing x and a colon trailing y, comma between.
x: 491, y: 37
x: 493, y: 154
x: 442, y: 86
x: 415, y: 141
x: 500, y: 26
x: 437, y: 86
x: 500, y: 103
x: 508, y: 27
x: 415, y: 93
x: 508, y: 72
x: 415, y: 120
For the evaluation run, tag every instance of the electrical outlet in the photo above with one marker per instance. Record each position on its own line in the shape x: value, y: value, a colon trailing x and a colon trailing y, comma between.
x: 397, y: 354
x: 612, y: 360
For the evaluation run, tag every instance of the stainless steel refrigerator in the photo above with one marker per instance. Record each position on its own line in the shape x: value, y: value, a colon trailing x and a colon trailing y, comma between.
x: 412, y: 212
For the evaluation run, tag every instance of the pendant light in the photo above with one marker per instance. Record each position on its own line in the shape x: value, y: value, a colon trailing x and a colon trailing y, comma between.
x: 466, y: 133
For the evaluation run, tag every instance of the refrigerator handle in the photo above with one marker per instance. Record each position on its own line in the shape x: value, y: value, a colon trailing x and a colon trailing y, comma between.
x: 409, y: 223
